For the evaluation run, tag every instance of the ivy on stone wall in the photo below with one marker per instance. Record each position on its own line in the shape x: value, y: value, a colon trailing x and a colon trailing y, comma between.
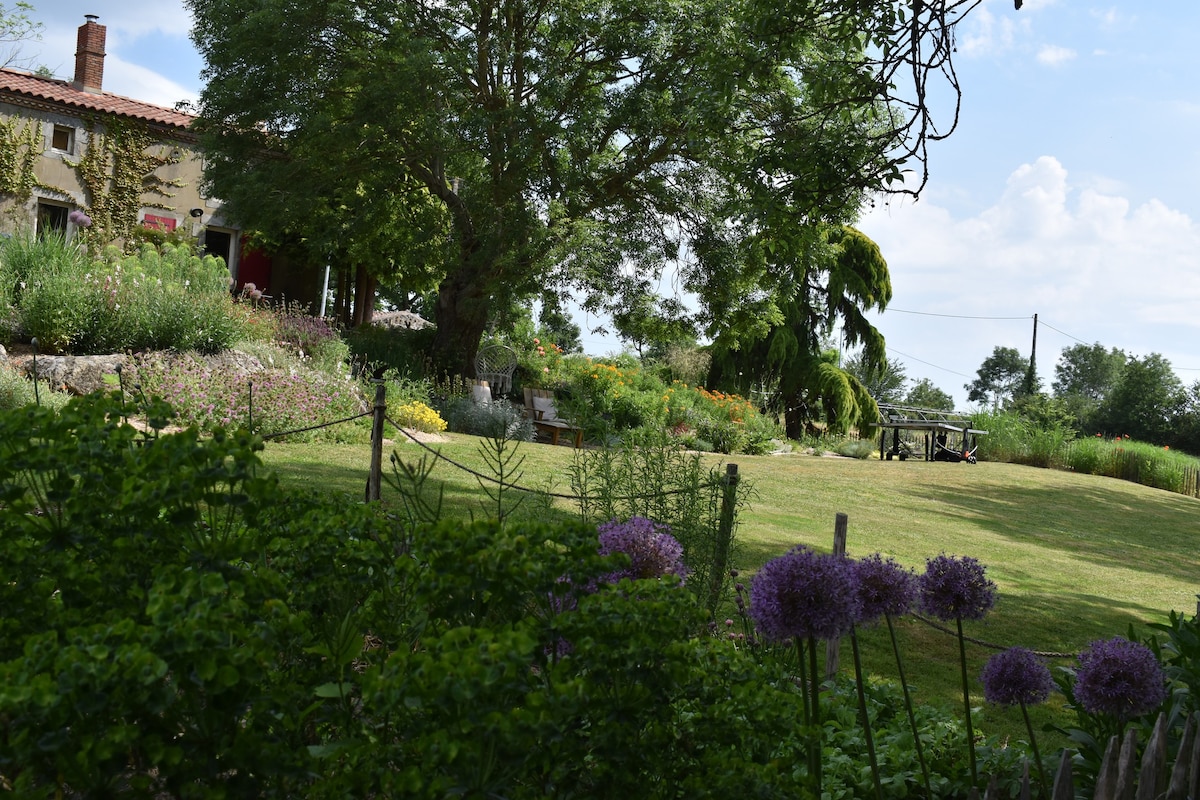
x: 20, y: 149
x: 117, y: 168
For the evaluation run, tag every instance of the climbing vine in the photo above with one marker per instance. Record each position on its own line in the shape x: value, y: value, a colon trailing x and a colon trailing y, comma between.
x: 20, y: 148
x: 117, y: 168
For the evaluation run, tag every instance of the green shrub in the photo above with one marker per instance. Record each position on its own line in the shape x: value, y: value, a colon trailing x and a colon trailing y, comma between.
x: 375, y: 349
x: 171, y: 299
x: 856, y: 448
x: 464, y: 415
x: 16, y: 391
x: 172, y: 623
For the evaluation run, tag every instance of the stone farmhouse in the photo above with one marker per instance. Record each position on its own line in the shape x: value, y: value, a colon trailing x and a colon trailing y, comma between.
x: 69, y: 145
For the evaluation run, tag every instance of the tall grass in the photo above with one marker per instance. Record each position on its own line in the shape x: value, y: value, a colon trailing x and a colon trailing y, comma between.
x: 1014, y: 439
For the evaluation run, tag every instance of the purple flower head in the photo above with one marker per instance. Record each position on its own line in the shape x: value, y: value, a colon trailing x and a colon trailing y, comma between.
x: 955, y: 587
x: 1016, y: 676
x: 803, y: 594
x: 653, y: 552
x: 79, y: 219
x: 1119, y: 677
x: 884, y: 587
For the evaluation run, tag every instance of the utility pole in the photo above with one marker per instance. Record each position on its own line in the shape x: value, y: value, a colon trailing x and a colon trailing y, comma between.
x: 1031, y: 373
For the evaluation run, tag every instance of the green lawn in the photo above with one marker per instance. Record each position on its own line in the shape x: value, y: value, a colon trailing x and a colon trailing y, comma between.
x: 1075, y: 557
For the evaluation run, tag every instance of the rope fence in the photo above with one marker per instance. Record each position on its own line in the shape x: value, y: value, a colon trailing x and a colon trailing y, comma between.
x: 378, y: 412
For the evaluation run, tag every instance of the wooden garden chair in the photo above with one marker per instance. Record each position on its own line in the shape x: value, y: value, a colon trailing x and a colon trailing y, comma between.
x: 539, y: 405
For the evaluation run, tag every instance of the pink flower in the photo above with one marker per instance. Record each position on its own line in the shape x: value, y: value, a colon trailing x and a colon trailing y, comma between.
x: 537, y: 341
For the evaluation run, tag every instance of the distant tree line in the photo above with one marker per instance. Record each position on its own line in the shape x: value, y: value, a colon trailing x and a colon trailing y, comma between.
x: 1097, y: 390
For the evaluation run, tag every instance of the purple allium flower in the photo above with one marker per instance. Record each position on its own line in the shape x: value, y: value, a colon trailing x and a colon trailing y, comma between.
x: 79, y: 219
x: 1119, y: 677
x: 884, y: 587
x: 955, y: 587
x: 1016, y: 676
x: 653, y: 552
x: 803, y: 594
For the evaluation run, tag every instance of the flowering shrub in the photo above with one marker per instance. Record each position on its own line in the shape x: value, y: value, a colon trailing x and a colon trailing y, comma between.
x: 169, y: 299
x: 283, y: 399
x: 418, y: 416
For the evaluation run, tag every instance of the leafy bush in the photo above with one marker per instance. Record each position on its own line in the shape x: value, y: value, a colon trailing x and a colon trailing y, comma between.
x: 856, y: 448
x: 169, y: 299
x: 16, y: 390
x: 312, y: 337
x: 375, y: 349
x: 464, y: 415
x: 173, y: 623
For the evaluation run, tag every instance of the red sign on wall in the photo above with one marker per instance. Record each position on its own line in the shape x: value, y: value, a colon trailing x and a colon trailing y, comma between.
x: 164, y: 224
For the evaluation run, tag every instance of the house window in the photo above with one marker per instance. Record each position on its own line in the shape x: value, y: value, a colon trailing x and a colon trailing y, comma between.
x: 63, y: 139
x: 51, y: 217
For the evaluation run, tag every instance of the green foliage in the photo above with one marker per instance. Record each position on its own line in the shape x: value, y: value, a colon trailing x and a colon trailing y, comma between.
x: 465, y: 415
x: 649, y: 476
x: 835, y: 275
x: 311, y: 337
x: 16, y: 390
x: 117, y: 169
x: 716, y: 133
x: 999, y: 378
x: 283, y: 397
x: 375, y: 349
x: 1147, y: 397
x: 169, y: 299
x: 923, y: 394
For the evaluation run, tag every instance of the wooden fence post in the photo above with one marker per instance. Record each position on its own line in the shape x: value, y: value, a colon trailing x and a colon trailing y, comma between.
x: 375, y: 479
x: 720, y: 562
x: 833, y: 646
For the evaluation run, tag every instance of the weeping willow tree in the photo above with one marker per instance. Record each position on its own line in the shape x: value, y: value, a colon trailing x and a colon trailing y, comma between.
x: 785, y: 356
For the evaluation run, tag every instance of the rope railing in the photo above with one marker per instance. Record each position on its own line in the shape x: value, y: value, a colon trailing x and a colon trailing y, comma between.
x: 317, y: 427
x: 517, y: 487
x: 990, y: 645
x: 379, y: 412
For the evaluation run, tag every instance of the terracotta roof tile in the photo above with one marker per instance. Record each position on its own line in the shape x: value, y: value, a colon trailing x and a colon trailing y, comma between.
x: 53, y: 90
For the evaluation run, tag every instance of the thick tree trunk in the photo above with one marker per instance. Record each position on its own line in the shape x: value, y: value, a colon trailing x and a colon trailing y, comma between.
x: 364, y: 296
x: 462, y: 313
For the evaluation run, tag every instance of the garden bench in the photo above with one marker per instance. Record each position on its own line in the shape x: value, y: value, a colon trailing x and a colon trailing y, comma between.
x: 539, y: 405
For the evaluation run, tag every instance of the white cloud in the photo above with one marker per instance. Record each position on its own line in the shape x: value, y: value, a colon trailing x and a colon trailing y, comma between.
x: 1092, y: 263
x: 1053, y: 55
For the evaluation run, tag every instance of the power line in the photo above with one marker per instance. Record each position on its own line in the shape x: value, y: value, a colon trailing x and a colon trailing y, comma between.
x: 1064, y: 333
x: 952, y: 316
x: 927, y: 363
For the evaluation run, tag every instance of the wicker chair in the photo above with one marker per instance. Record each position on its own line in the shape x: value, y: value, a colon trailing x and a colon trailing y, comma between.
x: 496, y: 364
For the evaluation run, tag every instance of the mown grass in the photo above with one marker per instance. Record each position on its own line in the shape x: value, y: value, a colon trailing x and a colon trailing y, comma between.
x: 1075, y: 557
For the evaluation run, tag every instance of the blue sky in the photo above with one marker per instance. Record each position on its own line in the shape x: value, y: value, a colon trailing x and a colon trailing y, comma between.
x: 1068, y: 190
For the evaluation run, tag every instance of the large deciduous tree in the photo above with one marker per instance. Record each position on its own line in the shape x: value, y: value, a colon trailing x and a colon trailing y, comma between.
x: 526, y: 143
x: 1083, y: 377
x: 999, y: 377
x: 924, y: 394
x: 1145, y: 401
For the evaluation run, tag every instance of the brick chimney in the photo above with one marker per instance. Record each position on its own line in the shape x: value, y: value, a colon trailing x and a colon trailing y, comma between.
x: 89, y: 55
